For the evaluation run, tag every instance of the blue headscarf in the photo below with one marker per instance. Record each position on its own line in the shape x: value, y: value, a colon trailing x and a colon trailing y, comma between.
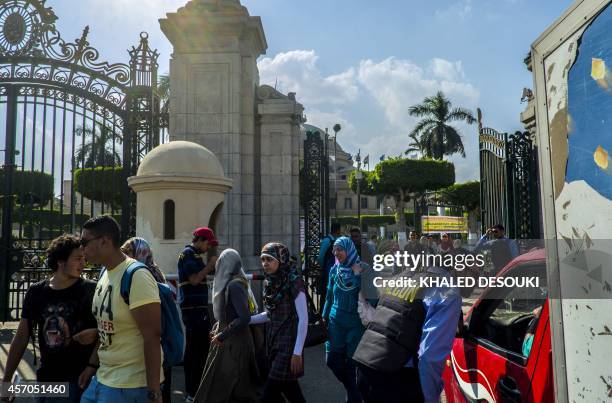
x: 347, y: 279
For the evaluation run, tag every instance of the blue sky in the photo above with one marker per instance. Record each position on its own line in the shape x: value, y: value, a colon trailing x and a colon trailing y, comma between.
x: 363, y: 63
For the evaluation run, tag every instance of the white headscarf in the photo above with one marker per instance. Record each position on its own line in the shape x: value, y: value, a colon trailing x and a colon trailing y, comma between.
x: 228, y: 267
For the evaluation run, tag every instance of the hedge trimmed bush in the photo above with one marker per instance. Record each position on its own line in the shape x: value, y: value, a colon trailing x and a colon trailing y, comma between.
x: 101, y: 184
x: 30, y: 187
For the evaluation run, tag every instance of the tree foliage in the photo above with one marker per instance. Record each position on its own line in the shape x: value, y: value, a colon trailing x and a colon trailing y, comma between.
x: 102, y: 184
x: 396, y: 176
x: 464, y: 194
x: 400, y: 177
x: 433, y: 134
x: 31, y: 187
x: 98, y: 147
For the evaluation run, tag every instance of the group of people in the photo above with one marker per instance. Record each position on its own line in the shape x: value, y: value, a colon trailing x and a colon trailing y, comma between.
x: 107, y: 348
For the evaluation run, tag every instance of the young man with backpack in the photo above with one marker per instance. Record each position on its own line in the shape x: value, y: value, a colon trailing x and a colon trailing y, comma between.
x: 60, y: 309
x: 129, y: 357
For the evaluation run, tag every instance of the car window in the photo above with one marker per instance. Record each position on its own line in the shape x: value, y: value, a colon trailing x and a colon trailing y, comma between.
x: 508, y: 319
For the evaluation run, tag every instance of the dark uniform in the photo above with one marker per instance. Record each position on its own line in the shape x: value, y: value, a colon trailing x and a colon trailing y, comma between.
x: 193, y: 300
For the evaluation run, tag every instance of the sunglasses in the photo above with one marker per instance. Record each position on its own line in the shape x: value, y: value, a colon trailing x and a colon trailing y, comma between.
x: 84, y: 241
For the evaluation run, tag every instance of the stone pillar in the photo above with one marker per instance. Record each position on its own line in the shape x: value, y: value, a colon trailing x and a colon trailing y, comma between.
x: 280, y: 117
x: 213, y: 77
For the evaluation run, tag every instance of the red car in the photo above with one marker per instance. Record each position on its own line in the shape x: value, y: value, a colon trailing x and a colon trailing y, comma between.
x: 491, y: 360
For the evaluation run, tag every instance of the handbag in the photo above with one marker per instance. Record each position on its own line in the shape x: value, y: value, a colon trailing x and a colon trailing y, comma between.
x: 317, y: 331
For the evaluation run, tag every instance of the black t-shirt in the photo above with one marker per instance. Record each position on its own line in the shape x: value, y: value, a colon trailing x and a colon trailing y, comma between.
x: 58, y: 315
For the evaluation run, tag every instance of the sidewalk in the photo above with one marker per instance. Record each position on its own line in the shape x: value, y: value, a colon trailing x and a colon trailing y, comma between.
x: 319, y: 384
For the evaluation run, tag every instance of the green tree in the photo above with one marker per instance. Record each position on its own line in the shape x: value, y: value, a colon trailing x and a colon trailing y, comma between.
x: 400, y: 178
x: 163, y: 90
x: 415, y: 146
x: 102, y: 184
x: 436, y: 136
x: 98, y: 147
x: 464, y: 194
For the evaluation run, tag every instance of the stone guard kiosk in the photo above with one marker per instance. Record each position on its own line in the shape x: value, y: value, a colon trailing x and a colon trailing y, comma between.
x: 180, y: 185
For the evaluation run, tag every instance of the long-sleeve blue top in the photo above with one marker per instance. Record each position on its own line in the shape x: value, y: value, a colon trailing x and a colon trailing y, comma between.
x: 339, y: 301
x: 483, y: 241
x: 442, y: 313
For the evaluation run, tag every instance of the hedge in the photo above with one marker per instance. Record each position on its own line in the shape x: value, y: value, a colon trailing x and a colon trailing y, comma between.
x: 371, y: 220
x: 101, y: 184
x: 30, y: 187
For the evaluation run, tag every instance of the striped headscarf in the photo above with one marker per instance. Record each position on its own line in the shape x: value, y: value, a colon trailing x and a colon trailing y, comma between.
x: 279, y: 283
x: 347, y: 279
x: 138, y: 248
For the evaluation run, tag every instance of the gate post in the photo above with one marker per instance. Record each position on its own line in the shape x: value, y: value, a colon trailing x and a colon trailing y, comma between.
x: 314, y: 208
x: 7, y: 200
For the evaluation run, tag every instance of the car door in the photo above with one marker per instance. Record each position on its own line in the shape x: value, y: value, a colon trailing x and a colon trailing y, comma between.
x: 488, y: 363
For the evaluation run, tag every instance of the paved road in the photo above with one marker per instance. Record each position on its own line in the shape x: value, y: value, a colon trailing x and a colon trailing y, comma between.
x: 319, y: 384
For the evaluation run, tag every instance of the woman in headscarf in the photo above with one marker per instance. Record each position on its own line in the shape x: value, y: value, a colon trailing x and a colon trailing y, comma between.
x: 341, y: 314
x: 138, y: 248
x: 230, y: 372
x: 287, y: 314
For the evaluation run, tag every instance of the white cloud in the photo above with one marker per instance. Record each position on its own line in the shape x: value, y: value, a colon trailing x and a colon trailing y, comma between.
x: 446, y: 70
x: 393, y: 85
x: 397, y: 84
x: 297, y: 71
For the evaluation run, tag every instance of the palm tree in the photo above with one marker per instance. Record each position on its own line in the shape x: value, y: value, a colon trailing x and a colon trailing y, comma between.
x: 98, y: 147
x: 163, y: 90
x: 436, y: 137
x: 415, y: 146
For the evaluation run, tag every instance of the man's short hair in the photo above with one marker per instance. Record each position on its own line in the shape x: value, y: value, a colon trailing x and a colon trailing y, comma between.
x: 335, y: 227
x: 499, y: 227
x: 60, y: 249
x: 374, y: 237
x: 105, y: 225
x: 355, y: 229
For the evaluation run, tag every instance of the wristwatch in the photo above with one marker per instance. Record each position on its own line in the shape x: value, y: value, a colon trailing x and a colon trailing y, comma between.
x: 153, y: 394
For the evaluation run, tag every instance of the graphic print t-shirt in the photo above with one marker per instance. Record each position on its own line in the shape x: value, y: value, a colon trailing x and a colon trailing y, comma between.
x: 58, y: 315
x: 121, y: 351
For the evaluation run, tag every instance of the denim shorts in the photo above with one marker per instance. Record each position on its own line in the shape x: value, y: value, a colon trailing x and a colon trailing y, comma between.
x: 99, y: 393
x: 74, y: 395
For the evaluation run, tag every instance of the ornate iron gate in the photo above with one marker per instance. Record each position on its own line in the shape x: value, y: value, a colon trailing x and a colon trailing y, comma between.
x: 509, y: 183
x: 315, y: 194
x: 75, y: 129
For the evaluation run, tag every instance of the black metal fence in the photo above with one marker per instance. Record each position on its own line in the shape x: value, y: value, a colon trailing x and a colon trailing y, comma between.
x: 315, y: 199
x: 75, y: 128
x: 509, y: 183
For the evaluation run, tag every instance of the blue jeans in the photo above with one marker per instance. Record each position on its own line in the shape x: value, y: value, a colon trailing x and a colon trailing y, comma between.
x: 99, y: 393
x: 74, y: 395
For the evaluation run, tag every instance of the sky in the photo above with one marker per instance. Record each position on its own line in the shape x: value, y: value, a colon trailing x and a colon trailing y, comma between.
x: 361, y: 63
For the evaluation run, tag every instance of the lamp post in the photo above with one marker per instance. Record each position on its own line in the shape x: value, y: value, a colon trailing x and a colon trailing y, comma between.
x: 358, y: 176
x: 336, y: 129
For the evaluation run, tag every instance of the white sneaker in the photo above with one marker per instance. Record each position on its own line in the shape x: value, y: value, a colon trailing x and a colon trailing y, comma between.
x: 189, y: 399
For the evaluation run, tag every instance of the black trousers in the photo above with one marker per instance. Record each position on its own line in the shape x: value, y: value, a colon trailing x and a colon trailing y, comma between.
x: 197, y: 343
x: 273, y: 392
x: 166, y: 386
x: 389, y: 387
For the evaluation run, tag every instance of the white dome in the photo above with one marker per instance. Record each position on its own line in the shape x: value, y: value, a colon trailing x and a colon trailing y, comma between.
x: 181, y: 158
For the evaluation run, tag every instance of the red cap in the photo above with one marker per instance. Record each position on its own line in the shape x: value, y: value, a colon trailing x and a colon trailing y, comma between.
x: 207, y: 234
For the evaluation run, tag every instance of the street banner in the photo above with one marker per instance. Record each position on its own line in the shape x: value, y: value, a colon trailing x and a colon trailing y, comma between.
x: 449, y: 224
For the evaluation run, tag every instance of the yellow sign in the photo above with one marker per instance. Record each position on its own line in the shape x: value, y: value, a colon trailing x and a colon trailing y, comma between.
x: 433, y: 223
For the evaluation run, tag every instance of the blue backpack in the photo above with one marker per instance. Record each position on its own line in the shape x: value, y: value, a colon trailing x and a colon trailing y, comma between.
x: 172, y: 332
